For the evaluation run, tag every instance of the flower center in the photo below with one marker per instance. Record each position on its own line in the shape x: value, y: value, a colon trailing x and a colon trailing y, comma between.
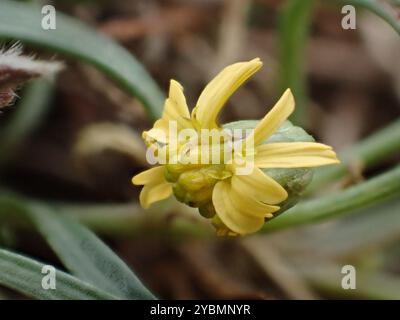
x: 194, y: 166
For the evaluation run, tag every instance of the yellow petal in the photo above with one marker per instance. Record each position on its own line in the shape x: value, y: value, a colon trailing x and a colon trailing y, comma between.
x: 159, y: 132
x: 251, y: 206
x: 151, y: 176
x: 156, y: 187
x: 260, y: 187
x: 274, y: 119
x: 218, y: 91
x: 175, y: 109
x: 234, y: 219
x: 177, y: 106
x: 294, y: 155
x: 154, y: 192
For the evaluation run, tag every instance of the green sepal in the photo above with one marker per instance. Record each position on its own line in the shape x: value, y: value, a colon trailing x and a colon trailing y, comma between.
x: 295, y: 181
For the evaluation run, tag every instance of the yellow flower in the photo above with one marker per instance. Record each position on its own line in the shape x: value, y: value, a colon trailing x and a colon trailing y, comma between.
x: 238, y: 204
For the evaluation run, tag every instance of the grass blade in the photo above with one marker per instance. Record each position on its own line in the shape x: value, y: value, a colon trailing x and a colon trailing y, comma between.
x: 80, y: 250
x: 85, y: 255
x: 294, y: 24
x: 24, y: 275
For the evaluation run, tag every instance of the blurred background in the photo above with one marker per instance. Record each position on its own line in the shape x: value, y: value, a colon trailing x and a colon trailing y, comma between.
x: 84, y: 144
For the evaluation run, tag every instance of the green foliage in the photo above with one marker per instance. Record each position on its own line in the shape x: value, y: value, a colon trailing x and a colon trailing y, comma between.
x: 25, y: 275
x: 85, y: 255
x: 97, y: 272
x: 294, y: 25
x: 80, y: 250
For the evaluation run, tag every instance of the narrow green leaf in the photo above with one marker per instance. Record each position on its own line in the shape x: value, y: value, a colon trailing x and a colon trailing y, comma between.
x: 294, y: 24
x: 25, y: 275
x: 20, y: 21
x: 85, y: 255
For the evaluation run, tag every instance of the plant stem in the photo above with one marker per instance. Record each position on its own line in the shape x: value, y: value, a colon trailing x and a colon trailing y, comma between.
x: 375, y: 190
x: 368, y: 152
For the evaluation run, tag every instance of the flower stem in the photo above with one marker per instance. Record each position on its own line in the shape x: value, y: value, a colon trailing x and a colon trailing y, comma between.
x: 375, y: 190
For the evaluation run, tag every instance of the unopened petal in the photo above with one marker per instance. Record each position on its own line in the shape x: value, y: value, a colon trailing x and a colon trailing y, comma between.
x: 175, y: 108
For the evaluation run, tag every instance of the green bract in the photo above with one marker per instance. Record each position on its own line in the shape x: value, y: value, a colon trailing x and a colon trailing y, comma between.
x: 295, y: 181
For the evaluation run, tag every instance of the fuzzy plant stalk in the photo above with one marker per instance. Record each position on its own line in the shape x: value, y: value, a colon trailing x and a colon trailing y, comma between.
x: 17, y: 69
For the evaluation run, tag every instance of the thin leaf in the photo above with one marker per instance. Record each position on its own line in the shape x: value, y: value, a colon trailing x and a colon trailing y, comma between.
x: 19, y: 21
x: 85, y: 255
x: 25, y: 275
x: 294, y: 25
